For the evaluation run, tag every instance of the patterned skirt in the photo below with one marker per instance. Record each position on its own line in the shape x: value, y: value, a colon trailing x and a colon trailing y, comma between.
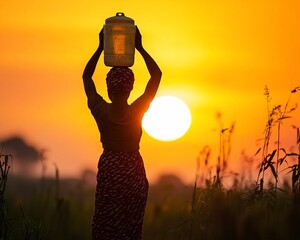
x: 121, y: 196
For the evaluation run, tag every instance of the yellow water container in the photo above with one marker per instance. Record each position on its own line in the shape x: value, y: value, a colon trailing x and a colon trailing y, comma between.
x: 119, y: 41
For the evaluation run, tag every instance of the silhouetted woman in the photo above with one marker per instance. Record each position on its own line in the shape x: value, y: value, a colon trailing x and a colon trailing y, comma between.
x: 122, y: 186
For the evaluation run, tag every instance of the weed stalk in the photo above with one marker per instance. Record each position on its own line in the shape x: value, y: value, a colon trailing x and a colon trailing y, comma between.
x: 4, y: 165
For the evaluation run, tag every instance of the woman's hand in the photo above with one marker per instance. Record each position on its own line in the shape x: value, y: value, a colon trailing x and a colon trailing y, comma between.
x: 138, y: 39
x: 101, y: 39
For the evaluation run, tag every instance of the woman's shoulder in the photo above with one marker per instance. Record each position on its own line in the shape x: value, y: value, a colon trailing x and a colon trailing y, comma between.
x: 97, y: 102
x: 142, y: 103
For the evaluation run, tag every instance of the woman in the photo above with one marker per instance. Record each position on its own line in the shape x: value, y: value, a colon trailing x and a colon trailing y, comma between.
x: 122, y: 186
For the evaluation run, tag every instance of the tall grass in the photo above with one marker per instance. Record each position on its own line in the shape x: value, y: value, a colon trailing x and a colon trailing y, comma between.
x: 55, y: 209
x: 4, y: 167
x: 256, y: 211
x: 273, y: 160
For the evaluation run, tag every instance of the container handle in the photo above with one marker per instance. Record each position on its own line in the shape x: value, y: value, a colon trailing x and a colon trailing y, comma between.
x: 120, y: 14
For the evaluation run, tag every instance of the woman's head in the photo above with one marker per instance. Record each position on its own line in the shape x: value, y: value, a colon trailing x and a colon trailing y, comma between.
x: 119, y: 80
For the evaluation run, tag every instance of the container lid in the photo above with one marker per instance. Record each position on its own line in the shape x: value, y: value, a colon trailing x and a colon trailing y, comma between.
x: 119, y: 18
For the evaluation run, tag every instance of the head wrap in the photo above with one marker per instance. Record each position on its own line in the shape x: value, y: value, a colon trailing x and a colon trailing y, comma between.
x: 119, y: 79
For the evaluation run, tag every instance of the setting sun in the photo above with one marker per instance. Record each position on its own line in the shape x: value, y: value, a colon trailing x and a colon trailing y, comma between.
x: 167, y: 119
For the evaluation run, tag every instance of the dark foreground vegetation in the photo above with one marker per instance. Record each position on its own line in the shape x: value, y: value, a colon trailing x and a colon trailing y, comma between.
x: 259, y: 204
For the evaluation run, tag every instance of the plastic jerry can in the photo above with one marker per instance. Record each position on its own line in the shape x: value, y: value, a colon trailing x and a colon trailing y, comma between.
x: 119, y: 41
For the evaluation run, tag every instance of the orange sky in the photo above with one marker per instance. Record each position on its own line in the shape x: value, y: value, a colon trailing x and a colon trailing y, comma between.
x: 215, y: 55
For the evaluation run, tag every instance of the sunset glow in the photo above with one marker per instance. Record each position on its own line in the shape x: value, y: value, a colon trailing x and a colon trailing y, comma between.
x: 217, y: 56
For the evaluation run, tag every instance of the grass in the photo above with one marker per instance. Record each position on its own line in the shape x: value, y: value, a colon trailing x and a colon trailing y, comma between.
x: 252, y: 211
x: 4, y: 167
x: 264, y: 207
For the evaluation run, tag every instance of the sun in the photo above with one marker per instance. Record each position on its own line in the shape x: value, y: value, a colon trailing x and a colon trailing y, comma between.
x: 168, y: 118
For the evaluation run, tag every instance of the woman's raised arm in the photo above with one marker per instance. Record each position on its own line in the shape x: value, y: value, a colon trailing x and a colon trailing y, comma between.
x: 154, y: 70
x: 89, y: 70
